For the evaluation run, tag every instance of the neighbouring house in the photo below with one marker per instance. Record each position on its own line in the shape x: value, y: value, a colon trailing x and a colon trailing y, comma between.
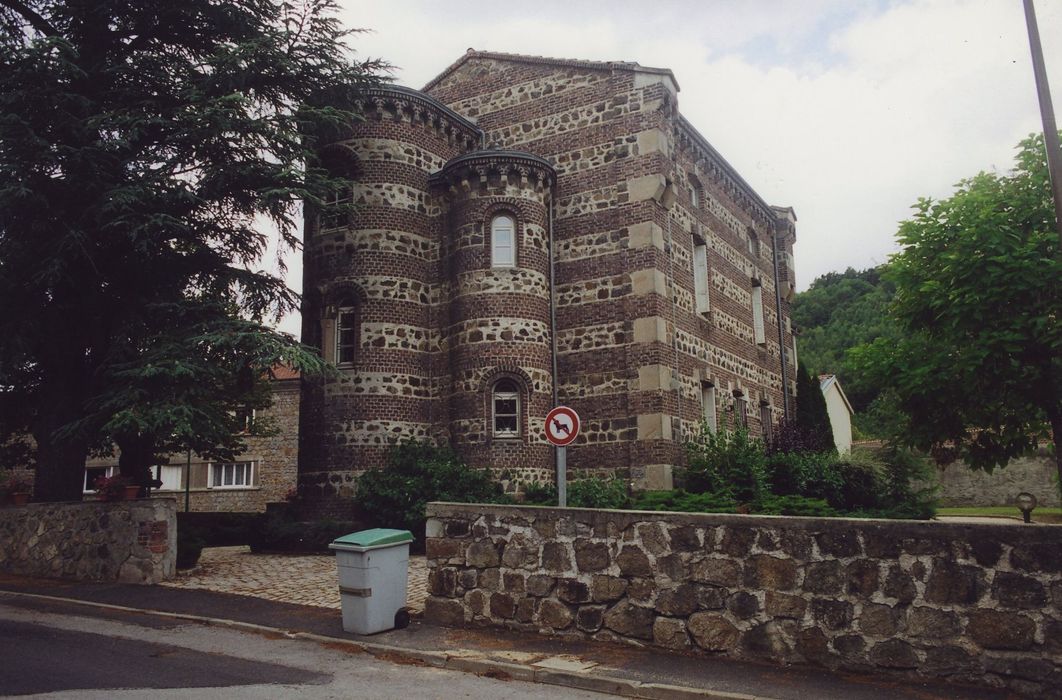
x: 264, y: 473
x: 529, y: 231
x: 839, y: 411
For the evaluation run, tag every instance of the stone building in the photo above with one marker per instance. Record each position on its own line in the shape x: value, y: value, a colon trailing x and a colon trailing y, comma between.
x: 530, y: 231
x: 263, y: 473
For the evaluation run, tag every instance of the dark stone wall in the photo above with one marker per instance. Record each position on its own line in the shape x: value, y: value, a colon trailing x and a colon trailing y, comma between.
x: 129, y: 541
x: 968, y: 603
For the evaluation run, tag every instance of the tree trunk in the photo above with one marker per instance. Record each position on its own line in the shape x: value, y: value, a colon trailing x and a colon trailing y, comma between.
x: 135, y: 458
x: 60, y: 470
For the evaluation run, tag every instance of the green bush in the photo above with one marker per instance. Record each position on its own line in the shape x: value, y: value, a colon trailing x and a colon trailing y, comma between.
x: 418, y: 472
x: 795, y: 505
x: 539, y: 494
x: 863, y: 484
x: 596, y: 492
x: 682, y: 501
x: 726, y: 462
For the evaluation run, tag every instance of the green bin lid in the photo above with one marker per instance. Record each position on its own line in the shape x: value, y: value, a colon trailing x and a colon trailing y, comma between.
x: 377, y: 537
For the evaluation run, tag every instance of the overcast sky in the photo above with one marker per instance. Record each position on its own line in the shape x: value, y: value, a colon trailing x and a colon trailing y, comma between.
x: 846, y: 110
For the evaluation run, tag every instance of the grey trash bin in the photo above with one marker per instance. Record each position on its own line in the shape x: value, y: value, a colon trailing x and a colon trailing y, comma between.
x: 373, y: 568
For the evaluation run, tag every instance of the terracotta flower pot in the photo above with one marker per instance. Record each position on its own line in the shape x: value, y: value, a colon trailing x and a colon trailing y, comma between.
x: 20, y: 498
x: 131, y: 492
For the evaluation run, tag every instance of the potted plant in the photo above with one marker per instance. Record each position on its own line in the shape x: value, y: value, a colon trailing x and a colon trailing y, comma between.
x: 15, y: 489
x: 115, y: 488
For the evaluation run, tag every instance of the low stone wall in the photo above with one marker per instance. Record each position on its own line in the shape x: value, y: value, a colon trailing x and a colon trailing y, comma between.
x: 971, y: 603
x: 961, y: 486
x: 128, y: 541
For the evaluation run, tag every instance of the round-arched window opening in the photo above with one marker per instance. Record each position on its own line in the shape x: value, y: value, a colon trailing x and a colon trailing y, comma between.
x: 503, y: 241
x: 505, y: 409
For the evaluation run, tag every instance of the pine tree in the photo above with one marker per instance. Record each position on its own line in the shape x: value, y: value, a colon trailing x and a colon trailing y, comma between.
x: 811, y: 414
x: 142, y: 146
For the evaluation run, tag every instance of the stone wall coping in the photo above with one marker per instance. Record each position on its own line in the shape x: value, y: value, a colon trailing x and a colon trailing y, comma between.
x: 902, y: 528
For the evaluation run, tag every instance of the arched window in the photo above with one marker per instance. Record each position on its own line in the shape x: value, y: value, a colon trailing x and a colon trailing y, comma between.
x: 502, y: 241
x: 695, y: 192
x: 505, y: 409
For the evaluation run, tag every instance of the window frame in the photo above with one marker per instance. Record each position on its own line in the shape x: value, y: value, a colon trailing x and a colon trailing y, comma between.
x: 351, y: 312
x: 514, y: 395
x: 179, y: 468
x: 109, y: 471
x: 701, y: 288
x: 741, y: 410
x: 249, y: 466
x: 330, y: 221
x: 759, y: 328
x: 495, y: 229
x: 709, y: 411
x: 766, y: 421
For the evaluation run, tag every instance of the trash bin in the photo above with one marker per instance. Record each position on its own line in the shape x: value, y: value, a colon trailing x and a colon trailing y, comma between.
x: 373, y: 570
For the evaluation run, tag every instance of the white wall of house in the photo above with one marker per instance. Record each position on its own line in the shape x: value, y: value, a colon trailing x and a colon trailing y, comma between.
x: 840, y: 412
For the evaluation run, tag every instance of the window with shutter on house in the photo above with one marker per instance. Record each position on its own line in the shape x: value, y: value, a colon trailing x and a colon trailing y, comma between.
x: 758, y: 328
x: 708, y: 406
x: 700, y: 275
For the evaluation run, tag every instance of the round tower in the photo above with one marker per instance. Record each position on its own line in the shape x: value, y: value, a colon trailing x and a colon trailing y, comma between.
x: 497, y: 334
x: 371, y: 293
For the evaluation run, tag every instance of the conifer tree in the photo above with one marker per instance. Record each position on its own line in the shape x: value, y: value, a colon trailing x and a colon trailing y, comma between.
x: 144, y: 148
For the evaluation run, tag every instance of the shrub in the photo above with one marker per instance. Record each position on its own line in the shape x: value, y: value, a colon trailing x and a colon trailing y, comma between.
x: 726, y: 462
x: 418, y: 472
x: 863, y: 484
x: 539, y: 494
x: 682, y: 501
x: 596, y: 492
x: 795, y: 505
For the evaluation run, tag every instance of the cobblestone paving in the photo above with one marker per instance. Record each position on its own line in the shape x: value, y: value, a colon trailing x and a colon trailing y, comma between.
x: 303, y: 580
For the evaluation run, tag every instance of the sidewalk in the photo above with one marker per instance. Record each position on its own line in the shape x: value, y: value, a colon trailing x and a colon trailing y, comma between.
x: 284, y: 578
x: 621, y: 670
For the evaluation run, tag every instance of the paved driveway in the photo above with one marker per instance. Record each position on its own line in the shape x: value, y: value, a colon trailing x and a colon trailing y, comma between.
x: 303, y: 580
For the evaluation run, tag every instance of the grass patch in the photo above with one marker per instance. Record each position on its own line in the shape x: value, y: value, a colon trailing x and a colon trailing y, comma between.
x: 1041, y: 514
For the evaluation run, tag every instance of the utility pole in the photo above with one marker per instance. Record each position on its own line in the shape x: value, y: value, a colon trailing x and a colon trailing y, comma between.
x: 1047, y: 114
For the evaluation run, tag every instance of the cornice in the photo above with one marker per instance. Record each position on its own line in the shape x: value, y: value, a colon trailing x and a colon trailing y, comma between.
x: 480, y: 165
x: 399, y: 101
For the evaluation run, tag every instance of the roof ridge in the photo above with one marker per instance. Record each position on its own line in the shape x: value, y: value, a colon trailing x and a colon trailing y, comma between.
x: 529, y: 58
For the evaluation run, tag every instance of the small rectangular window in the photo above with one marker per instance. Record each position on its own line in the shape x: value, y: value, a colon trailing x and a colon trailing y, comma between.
x: 757, y: 315
x: 766, y: 421
x: 708, y: 406
x: 346, y: 336
x: 741, y: 416
x: 700, y: 276
x: 335, y: 214
x: 171, y: 476
x: 231, y: 475
x: 93, y: 473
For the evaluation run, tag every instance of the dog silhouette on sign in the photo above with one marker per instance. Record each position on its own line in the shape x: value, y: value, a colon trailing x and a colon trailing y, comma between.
x: 559, y: 427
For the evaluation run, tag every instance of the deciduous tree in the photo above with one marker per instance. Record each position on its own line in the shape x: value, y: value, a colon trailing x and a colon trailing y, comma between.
x: 978, y: 368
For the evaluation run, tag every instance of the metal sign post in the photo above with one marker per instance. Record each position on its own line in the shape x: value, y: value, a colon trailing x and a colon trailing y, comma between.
x: 562, y: 427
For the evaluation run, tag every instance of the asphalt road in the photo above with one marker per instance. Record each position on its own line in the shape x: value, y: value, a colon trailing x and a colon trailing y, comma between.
x: 134, y: 656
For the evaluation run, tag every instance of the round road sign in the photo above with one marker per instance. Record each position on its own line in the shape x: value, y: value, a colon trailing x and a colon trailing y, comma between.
x: 562, y: 426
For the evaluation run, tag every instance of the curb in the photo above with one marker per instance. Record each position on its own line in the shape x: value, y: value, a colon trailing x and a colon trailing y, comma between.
x: 502, y: 670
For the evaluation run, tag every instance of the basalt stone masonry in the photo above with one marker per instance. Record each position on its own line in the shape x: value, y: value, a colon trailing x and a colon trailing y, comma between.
x: 129, y: 541
x: 970, y: 603
x: 641, y: 270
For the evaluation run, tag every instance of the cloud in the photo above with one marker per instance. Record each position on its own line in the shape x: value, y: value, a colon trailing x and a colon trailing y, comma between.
x: 847, y: 111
